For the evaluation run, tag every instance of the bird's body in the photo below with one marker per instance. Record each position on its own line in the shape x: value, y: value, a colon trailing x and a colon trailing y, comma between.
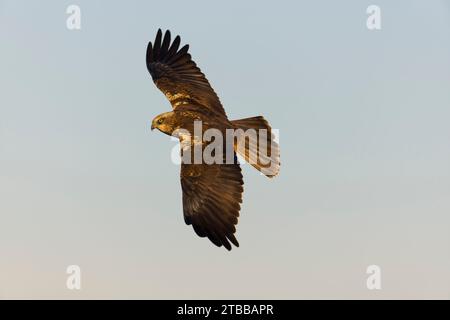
x: 212, y: 192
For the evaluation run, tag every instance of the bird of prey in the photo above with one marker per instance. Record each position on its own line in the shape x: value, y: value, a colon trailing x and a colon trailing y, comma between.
x: 212, y: 192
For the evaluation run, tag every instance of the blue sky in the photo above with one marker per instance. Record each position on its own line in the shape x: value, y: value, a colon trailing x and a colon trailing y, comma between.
x: 363, y: 120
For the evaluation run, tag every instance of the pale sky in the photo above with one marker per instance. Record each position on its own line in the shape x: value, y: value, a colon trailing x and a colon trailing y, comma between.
x: 364, y: 130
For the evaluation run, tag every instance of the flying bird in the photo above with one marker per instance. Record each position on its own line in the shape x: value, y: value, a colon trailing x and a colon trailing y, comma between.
x: 212, y: 192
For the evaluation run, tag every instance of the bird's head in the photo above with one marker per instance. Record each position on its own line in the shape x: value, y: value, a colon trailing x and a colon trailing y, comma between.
x: 165, y: 123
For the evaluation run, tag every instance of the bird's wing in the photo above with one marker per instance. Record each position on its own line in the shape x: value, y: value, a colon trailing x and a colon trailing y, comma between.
x: 211, y: 200
x: 178, y: 77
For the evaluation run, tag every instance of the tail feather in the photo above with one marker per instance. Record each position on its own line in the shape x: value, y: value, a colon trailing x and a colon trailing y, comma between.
x: 255, y: 142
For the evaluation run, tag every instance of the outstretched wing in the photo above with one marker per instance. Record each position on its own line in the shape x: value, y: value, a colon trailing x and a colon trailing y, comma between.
x: 211, y: 200
x: 177, y: 76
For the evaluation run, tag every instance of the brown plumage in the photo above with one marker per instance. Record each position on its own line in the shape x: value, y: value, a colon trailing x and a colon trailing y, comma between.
x: 212, y: 193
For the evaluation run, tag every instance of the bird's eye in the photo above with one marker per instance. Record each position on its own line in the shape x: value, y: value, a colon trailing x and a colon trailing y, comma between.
x: 160, y: 120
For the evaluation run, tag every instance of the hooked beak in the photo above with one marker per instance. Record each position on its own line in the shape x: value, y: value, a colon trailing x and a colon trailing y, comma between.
x: 153, y: 127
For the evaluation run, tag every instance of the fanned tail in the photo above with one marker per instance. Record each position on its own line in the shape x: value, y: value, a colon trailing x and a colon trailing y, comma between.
x: 255, y: 142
